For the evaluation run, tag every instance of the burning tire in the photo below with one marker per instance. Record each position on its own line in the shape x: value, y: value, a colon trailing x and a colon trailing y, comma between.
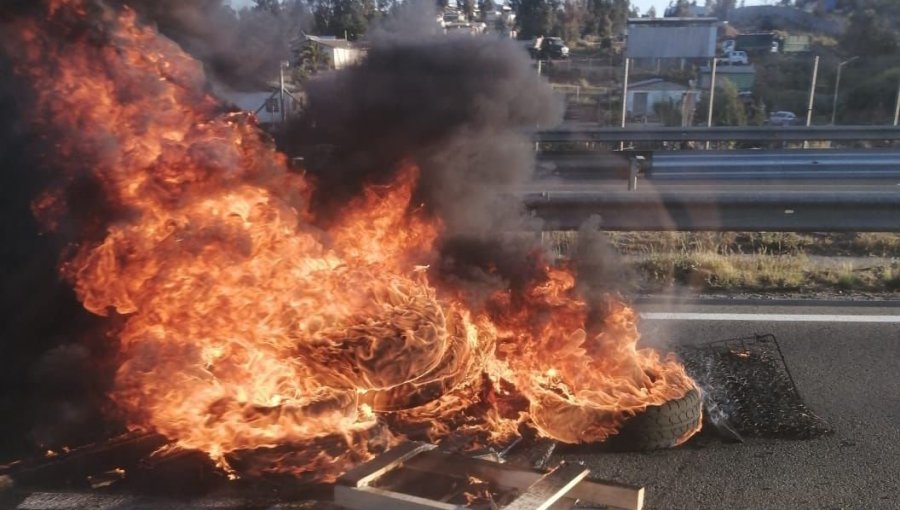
x: 659, y: 427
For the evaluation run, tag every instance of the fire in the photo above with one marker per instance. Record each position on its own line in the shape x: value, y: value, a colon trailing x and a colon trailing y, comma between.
x: 249, y: 327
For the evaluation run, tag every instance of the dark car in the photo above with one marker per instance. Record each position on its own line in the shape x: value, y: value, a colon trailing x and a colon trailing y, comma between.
x: 549, y: 48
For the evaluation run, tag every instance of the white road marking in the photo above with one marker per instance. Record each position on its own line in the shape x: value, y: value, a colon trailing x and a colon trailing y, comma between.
x: 769, y: 317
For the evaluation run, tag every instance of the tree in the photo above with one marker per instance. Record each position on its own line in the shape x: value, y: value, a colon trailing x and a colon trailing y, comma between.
x: 668, y: 111
x: 723, y: 8
x: 651, y: 13
x: 270, y: 6
x: 760, y: 115
x: 728, y: 109
x: 535, y: 17
x: 678, y: 9
x: 486, y: 6
x: 309, y: 60
x: 572, y: 20
x: 344, y: 17
x: 467, y: 7
x: 606, y: 17
x: 869, y: 33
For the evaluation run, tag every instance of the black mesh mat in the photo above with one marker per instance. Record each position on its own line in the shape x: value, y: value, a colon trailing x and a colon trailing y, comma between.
x: 747, y: 381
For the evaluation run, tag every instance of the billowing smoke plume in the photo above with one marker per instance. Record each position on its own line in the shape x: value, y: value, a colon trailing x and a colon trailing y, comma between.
x: 240, y: 49
x: 462, y: 109
x: 48, y: 395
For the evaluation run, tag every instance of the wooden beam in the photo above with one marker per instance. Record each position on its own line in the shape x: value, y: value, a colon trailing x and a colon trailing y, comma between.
x: 370, y: 498
x: 364, y: 474
x: 607, y: 493
x: 550, y: 488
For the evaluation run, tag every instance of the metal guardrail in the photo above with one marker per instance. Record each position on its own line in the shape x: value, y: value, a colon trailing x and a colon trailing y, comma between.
x: 702, y: 134
x: 728, y: 165
x: 721, y: 211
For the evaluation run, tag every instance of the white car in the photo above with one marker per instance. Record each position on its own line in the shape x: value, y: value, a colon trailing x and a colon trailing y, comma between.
x: 782, y: 119
x: 735, y: 58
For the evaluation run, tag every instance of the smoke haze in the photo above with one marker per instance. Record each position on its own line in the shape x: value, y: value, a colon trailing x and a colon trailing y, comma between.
x: 239, y: 49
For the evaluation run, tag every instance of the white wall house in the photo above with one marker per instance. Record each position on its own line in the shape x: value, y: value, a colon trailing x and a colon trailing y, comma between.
x: 643, y: 95
x: 340, y: 52
x: 266, y: 104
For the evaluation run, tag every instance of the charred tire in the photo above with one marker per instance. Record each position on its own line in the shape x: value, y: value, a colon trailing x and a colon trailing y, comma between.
x: 659, y: 426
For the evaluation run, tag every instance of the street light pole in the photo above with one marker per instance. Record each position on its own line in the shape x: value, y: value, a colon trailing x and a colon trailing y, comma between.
x: 812, y: 91
x: 624, y: 100
x: 812, y: 97
x: 837, y: 87
x: 897, y: 107
x: 284, y: 64
x: 712, y: 96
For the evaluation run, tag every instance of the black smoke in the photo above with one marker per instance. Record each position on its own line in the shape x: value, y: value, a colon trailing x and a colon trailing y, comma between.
x: 462, y: 108
x: 239, y: 49
x: 41, y: 322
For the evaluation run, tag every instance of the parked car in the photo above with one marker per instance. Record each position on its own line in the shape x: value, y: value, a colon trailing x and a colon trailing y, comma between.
x: 727, y: 45
x: 548, y: 48
x: 735, y: 58
x: 783, y: 119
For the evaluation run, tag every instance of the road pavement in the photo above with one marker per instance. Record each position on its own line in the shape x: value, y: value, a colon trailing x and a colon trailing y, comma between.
x: 845, y: 359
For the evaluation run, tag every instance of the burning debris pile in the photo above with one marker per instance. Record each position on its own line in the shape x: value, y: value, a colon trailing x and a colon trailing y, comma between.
x: 259, y: 312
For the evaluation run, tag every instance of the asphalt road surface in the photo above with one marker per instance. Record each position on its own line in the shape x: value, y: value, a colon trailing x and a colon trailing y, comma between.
x: 845, y: 359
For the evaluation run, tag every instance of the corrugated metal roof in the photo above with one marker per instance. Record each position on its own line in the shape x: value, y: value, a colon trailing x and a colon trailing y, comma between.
x: 333, y: 42
x: 657, y: 84
x: 672, y: 21
x: 723, y: 69
x: 653, y: 41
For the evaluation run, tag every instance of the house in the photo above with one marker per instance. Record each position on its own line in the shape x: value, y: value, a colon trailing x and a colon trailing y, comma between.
x: 339, y: 53
x: 743, y: 77
x: 686, y: 39
x: 465, y: 28
x: 796, y: 44
x: 761, y: 42
x: 266, y: 104
x: 643, y: 95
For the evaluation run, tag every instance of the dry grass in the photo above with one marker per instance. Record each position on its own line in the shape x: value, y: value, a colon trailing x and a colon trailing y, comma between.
x: 715, y: 271
x: 879, y: 244
x: 757, y: 261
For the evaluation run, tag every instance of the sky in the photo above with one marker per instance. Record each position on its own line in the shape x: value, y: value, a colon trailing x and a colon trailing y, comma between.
x: 643, y: 5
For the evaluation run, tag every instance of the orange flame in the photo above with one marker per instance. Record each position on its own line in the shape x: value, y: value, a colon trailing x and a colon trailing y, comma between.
x: 249, y: 328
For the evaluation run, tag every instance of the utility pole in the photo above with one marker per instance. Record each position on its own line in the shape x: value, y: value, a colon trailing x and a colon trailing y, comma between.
x: 897, y: 107
x: 624, y: 100
x: 837, y: 87
x: 812, y: 97
x: 712, y: 96
x: 281, y: 92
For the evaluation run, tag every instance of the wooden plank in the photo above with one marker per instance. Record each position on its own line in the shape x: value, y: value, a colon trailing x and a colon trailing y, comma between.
x: 364, y: 474
x: 550, y: 488
x: 370, y: 498
x: 607, y: 493
x: 122, y: 451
